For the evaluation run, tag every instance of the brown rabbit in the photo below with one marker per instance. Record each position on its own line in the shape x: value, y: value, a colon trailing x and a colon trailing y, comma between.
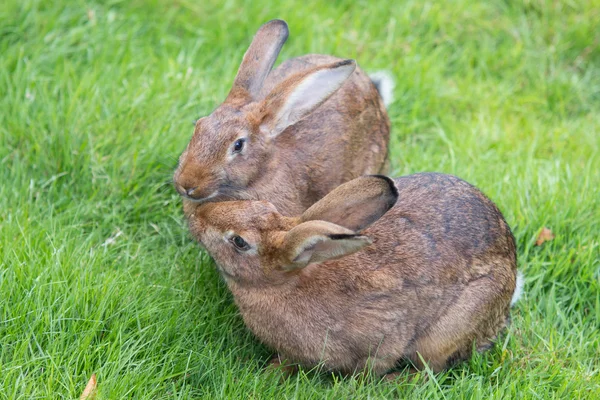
x: 428, y: 278
x: 288, y: 136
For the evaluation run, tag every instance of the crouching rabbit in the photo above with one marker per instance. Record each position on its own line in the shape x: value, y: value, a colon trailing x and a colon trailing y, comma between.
x: 421, y: 267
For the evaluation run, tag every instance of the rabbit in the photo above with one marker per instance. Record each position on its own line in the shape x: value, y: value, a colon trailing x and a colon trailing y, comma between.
x: 289, y: 135
x: 415, y: 269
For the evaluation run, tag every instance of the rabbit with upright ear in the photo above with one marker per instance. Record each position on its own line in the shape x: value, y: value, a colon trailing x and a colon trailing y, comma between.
x: 289, y: 135
x: 420, y: 268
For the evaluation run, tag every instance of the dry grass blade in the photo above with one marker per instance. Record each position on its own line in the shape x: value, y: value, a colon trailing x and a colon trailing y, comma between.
x: 545, y: 235
x: 89, y: 393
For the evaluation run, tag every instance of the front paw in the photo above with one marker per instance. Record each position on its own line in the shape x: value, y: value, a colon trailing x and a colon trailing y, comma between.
x: 278, y: 363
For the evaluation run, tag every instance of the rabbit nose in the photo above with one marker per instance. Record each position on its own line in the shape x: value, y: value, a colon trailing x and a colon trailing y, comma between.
x: 190, y: 191
x: 198, y: 193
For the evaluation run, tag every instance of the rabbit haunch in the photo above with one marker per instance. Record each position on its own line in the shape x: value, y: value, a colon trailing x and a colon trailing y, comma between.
x: 377, y: 271
x: 288, y: 135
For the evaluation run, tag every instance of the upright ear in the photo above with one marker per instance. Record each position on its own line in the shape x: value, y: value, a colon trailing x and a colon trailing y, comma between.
x: 318, y: 241
x: 298, y: 95
x: 355, y: 204
x: 259, y: 59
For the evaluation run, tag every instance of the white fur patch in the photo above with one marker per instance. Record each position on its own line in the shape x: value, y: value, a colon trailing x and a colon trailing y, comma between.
x: 518, y: 289
x: 202, y: 200
x: 385, y: 84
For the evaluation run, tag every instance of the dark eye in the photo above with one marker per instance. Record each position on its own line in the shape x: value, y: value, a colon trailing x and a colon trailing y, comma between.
x: 239, y: 243
x: 238, y: 145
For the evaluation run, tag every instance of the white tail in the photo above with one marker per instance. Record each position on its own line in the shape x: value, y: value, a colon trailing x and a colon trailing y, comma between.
x: 518, y: 289
x: 384, y: 82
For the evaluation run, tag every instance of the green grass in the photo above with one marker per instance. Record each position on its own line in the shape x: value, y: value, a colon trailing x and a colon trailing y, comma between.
x: 98, y: 273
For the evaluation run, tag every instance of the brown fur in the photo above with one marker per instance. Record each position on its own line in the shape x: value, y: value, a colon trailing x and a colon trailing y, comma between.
x: 342, y: 137
x: 435, y: 274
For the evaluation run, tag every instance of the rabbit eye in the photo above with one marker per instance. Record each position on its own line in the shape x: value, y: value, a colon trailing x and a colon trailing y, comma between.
x: 238, y: 145
x: 239, y: 243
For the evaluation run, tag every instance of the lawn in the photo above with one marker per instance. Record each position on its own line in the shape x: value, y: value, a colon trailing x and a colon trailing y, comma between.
x: 99, y: 275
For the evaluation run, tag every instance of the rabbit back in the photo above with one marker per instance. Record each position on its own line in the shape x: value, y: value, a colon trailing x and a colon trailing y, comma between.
x: 456, y: 253
x: 351, y: 130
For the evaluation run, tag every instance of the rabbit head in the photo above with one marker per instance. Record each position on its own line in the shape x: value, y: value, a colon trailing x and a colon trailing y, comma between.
x: 253, y: 244
x: 230, y: 146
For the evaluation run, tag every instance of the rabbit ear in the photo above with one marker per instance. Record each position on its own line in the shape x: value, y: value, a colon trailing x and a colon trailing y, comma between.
x: 317, y: 241
x: 259, y: 59
x: 355, y: 204
x: 301, y: 93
